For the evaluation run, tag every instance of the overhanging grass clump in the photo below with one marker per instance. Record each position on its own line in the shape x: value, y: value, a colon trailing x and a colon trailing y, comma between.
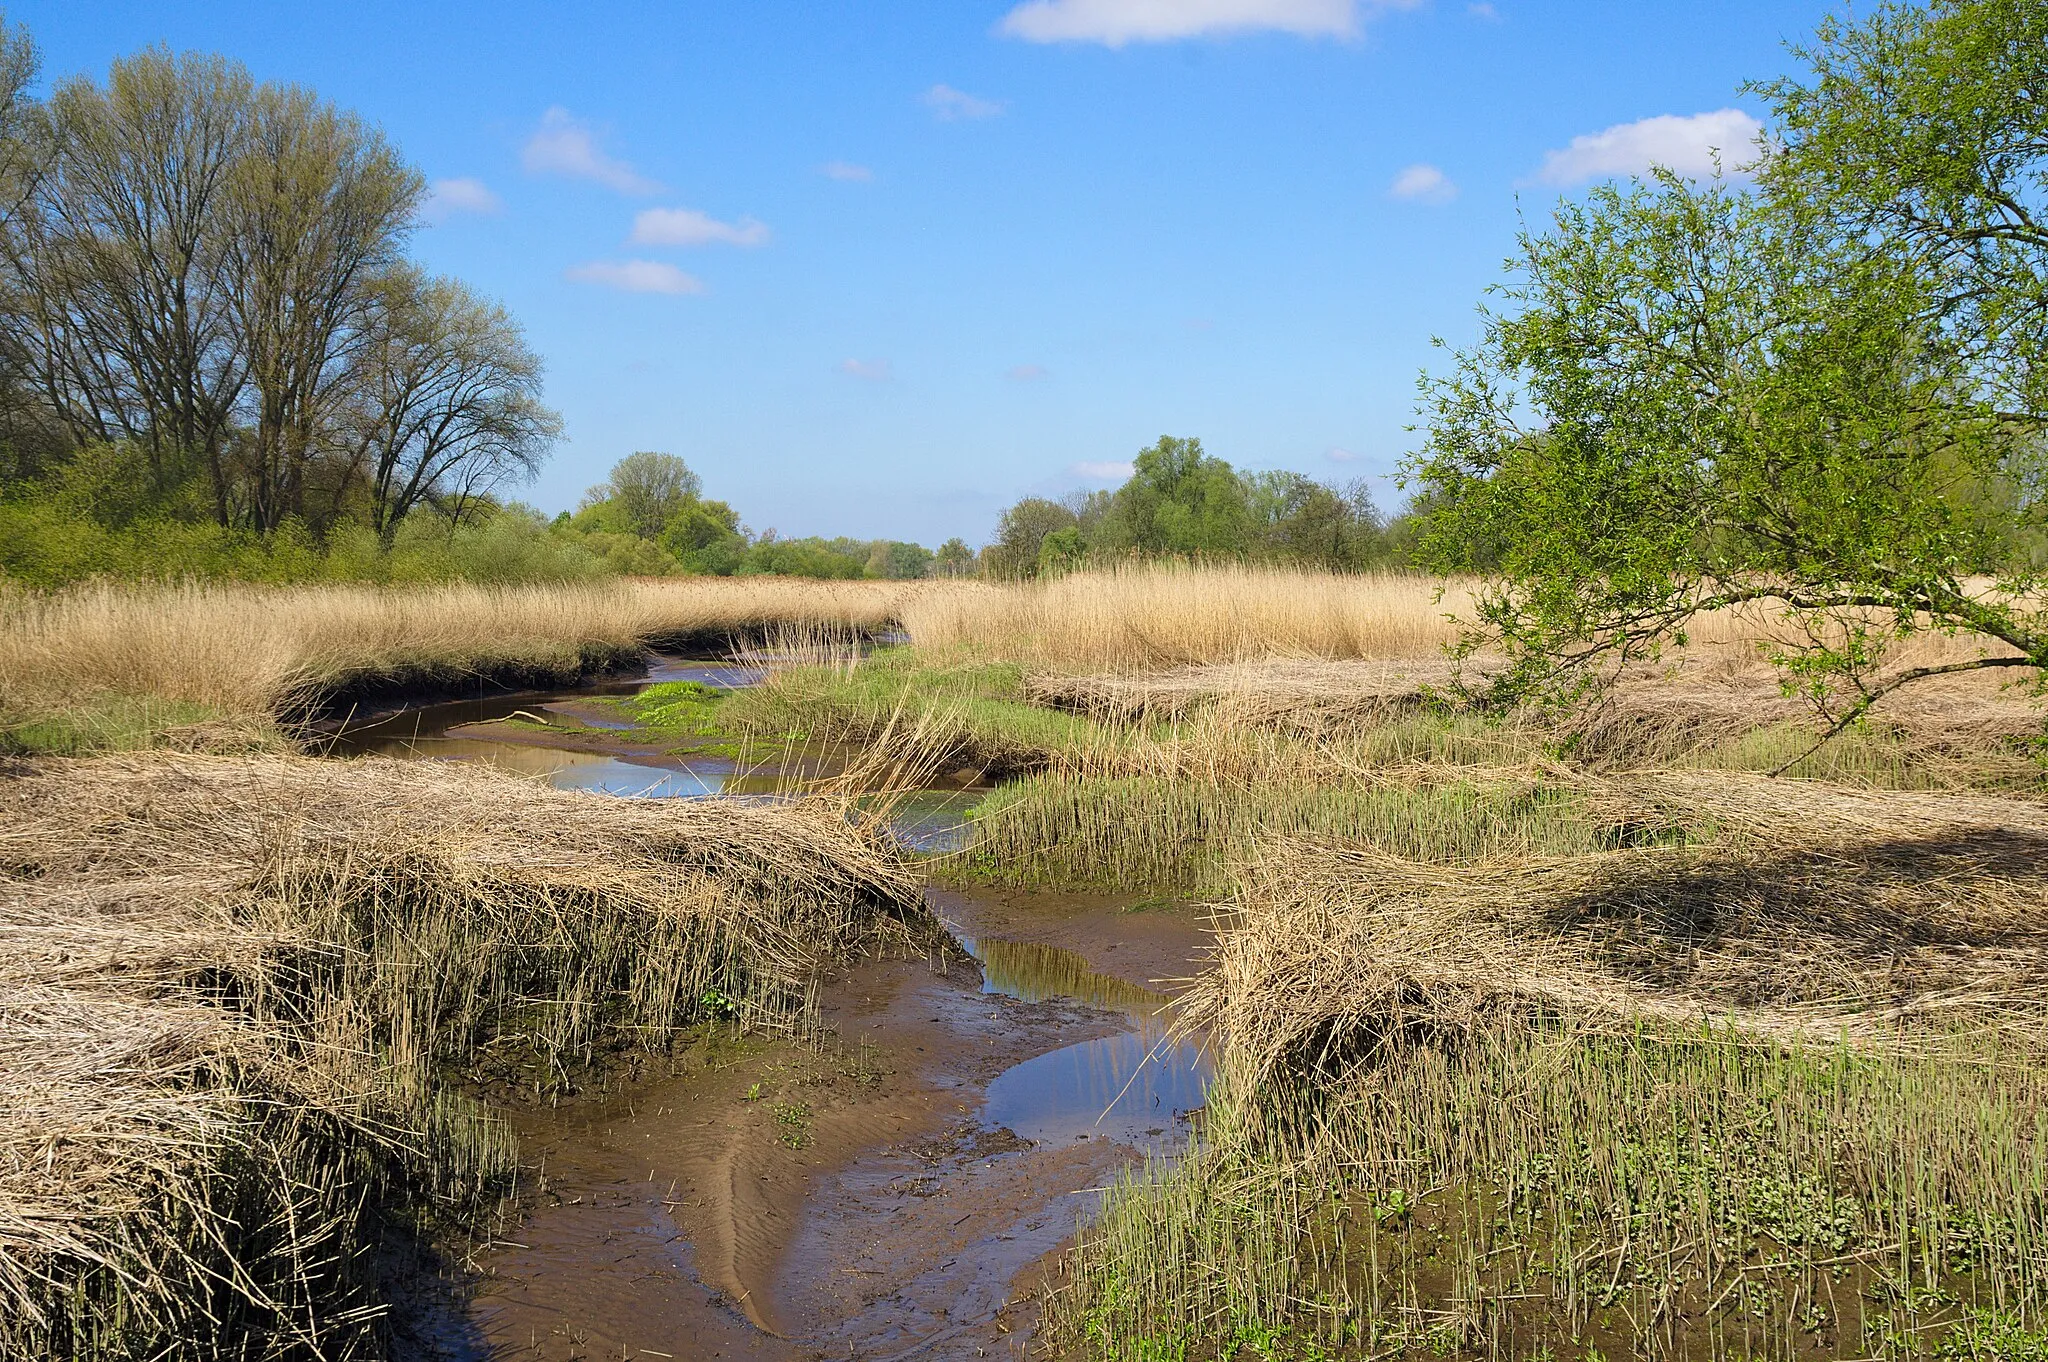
x: 250, y: 1011
x: 1779, y: 1091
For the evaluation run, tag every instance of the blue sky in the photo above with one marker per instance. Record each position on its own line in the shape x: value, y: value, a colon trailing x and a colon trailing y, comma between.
x: 882, y: 268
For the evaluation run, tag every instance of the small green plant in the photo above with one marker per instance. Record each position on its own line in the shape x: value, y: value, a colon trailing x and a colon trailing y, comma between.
x: 716, y: 1004
x: 753, y: 1093
x: 792, y: 1123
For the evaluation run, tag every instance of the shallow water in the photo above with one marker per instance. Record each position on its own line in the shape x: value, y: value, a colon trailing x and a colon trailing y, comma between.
x: 1062, y: 1076
x: 1135, y: 1087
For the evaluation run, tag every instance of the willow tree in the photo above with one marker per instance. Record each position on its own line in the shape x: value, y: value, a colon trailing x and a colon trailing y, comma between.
x: 1694, y: 396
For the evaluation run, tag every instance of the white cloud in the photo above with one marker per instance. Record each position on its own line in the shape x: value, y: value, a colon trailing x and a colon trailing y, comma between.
x: 846, y: 170
x: 688, y: 227
x: 565, y: 145
x: 1114, y: 471
x: 1483, y: 10
x: 868, y: 370
x: 1336, y: 455
x: 636, y: 276
x: 446, y: 198
x: 948, y: 104
x: 1685, y: 144
x: 1423, y: 184
x: 1026, y: 373
x: 1116, y: 22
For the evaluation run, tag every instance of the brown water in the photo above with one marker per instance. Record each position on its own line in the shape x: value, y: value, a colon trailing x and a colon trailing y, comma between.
x: 896, y: 1191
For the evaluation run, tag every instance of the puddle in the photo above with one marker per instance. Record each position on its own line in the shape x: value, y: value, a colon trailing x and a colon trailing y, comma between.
x: 1135, y: 1087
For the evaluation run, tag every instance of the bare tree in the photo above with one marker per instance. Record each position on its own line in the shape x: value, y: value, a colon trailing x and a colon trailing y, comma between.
x: 447, y: 402
x: 317, y: 209
x: 121, y: 305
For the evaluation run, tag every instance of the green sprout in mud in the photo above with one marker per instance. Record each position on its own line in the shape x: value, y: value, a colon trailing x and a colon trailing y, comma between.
x: 753, y: 1093
x: 793, y: 1124
x: 718, y: 1005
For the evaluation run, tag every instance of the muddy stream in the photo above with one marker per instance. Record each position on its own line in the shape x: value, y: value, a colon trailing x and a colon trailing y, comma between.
x: 899, y: 1190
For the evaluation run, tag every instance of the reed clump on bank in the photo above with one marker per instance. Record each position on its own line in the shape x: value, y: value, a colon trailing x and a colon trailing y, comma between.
x: 252, y: 1011
x: 1779, y: 1089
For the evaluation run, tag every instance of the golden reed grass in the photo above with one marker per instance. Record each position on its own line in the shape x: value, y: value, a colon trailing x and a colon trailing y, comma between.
x: 250, y: 652
x: 1147, y: 618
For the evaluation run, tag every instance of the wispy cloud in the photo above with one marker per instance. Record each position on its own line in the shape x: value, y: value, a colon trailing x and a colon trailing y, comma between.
x: 1483, y: 9
x: 689, y: 227
x: 1687, y: 145
x: 1422, y: 184
x: 636, y: 276
x: 847, y: 171
x: 948, y: 104
x: 868, y: 370
x: 1116, y: 22
x: 1336, y: 454
x: 1111, y: 471
x: 446, y: 198
x: 566, y: 145
x: 1026, y: 373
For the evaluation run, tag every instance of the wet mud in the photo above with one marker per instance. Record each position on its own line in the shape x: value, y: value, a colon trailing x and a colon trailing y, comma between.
x: 952, y: 1131
x: 898, y: 1188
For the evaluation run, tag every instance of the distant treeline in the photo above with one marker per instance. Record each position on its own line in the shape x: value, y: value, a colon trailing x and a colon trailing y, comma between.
x: 217, y: 361
x: 650, y: 518
x: 1182, y: 503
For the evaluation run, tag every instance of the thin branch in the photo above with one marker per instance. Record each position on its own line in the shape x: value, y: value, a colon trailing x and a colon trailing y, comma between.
x: 1870, y: 697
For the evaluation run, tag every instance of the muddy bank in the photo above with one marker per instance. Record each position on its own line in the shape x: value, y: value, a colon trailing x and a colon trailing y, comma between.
x: 872, y: 1196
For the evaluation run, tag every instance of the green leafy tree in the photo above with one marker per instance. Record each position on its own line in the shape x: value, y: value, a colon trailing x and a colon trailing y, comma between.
x: 954, y: 559
x: 705, y: 537
x: 898, y: 561
x: 1178, y: 500
x: 644, y: 491
x: 1926, y: 127
x: 1300, y: 520
x: 1695, y: 398
x: 1063, y: 550
x: 1020, y: 535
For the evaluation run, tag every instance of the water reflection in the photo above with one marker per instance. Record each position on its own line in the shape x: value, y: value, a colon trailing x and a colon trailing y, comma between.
x: 1035, y: 972
x: 718, y: 675
x: 591, y: 771
x: 934, y: 820
x: 1132, y: 1087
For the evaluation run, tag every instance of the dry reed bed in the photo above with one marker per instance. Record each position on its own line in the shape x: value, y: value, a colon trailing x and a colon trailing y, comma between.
x: 252, y: 652
x: 1148, y: 617
x: 1961, y: 726
x: 245, y: 1004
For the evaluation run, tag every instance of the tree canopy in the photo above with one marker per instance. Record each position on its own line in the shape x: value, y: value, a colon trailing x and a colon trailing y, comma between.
x: 1812, y: 393
x: 1182, y: 502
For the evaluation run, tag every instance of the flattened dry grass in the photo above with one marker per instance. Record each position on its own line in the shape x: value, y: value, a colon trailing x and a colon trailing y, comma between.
x: 1776, y: 1089
x: 249, y: 1009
